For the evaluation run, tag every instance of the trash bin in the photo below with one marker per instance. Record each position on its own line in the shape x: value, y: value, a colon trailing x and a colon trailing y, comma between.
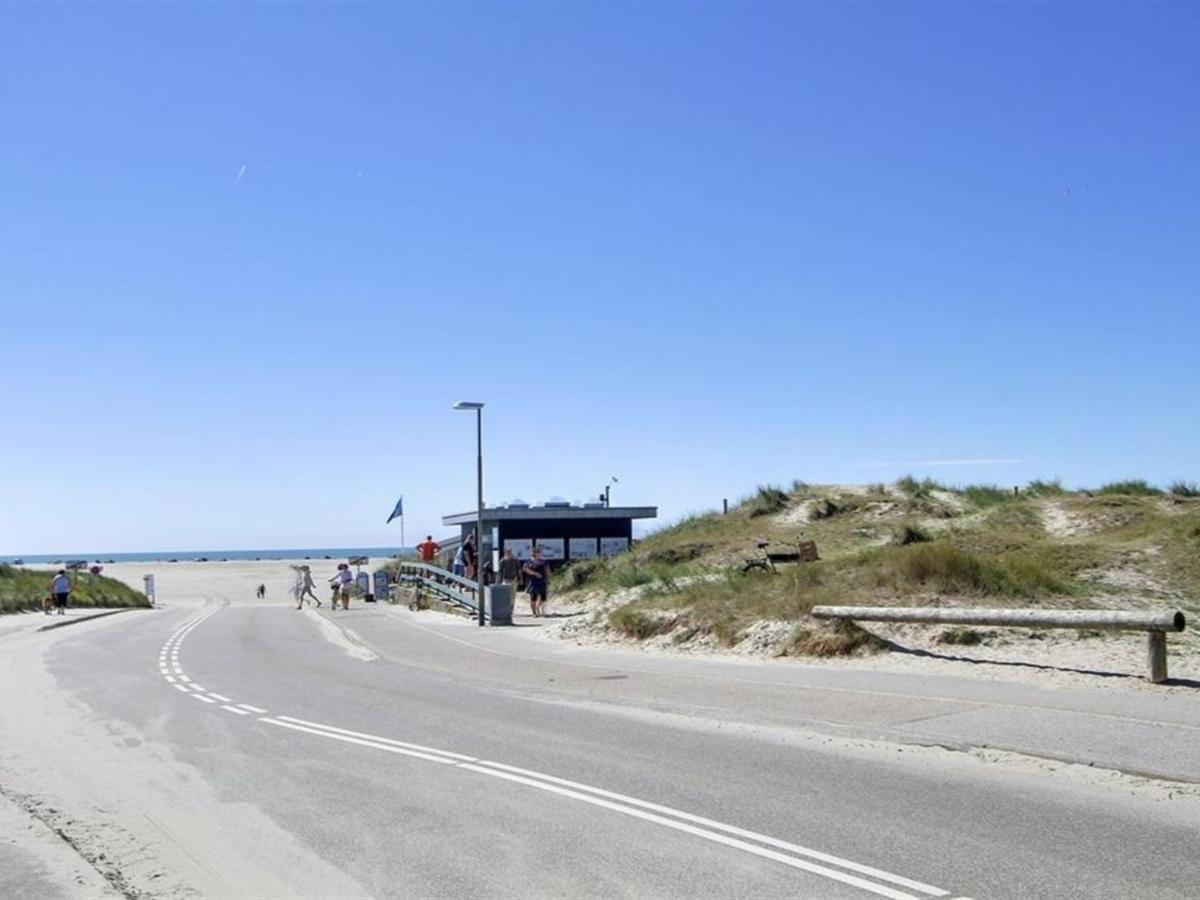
x: 498, y: 602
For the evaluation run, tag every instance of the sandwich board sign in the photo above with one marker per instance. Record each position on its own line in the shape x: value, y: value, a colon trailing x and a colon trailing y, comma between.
x: 381, y: 585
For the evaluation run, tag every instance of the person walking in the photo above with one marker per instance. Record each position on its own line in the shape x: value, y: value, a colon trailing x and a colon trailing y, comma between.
x: 60, y: 587
x: 304, y: 587
x: 342, y: 581
x: 537, y: 574
x: 459, y: 566
x: 262, y: 591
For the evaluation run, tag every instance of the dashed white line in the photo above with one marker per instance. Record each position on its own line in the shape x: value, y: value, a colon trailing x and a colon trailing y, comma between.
x: 253, y: 709
x: 234, y: 709
x: 201, y: 698
x: 219, y: 697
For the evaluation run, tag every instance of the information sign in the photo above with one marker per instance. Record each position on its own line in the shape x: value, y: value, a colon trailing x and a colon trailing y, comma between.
x: 363, y: 583
x: 582, y: 548
x: 381, y: 585
x: 522, y: 548
x: 552, y: 548
x: 613, y: 546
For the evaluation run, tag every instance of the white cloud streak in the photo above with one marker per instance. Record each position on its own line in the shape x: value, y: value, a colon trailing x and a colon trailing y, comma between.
x: 985, y: 461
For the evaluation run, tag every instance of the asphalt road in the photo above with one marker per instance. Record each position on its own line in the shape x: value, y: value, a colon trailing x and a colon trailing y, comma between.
x: 405, y: 759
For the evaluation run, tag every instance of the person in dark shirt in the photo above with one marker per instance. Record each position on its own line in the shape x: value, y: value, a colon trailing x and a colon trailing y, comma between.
x: 537, y: 574
x: 510, y: 571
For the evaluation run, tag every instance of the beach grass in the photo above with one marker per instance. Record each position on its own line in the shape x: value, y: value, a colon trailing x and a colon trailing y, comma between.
x: 24, y: 589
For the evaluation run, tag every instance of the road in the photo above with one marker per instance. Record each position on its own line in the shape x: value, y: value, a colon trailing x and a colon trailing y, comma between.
x: 224, y: 750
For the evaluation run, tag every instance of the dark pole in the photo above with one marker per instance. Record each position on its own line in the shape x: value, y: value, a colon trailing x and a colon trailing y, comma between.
x: 479, y: 514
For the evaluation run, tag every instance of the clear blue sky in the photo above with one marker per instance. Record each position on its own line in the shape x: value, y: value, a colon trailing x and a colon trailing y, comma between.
x: 250, y: 255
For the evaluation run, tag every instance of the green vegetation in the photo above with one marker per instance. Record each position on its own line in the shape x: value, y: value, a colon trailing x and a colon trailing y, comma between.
x: 1039, y: 488
x: 1136, y: 487
x: 985, y: 495
x: 24, y: 589
x: 768, y: 499
x: 919, y: 544
x: 1184, y: 489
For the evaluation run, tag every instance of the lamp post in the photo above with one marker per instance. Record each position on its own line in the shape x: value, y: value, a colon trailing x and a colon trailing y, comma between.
x: 478, y: 408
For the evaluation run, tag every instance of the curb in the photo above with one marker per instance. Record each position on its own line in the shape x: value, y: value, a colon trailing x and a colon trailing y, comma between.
x: 78, y: 619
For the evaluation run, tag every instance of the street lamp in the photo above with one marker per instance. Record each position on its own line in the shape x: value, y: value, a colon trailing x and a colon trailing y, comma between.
x: 478, y: 408
x: 611, y: 482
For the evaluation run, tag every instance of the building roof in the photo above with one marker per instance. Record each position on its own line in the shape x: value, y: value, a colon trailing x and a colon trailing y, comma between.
x: 504, y: 514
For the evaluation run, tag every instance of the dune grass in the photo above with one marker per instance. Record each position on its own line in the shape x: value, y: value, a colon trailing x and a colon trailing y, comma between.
x: 23, y: 589
x: 914, y: 545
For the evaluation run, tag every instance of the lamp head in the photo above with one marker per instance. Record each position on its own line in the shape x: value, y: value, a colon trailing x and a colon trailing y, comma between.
x: 468, y: 405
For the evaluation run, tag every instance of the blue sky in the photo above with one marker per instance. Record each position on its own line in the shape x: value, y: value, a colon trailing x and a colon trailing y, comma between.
x: 251, y: 254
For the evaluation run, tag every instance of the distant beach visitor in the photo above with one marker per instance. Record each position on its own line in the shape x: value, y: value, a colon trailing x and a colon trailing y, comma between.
x: 60, y: 587
x: 304, y: 587
x: 428, y: 549
x: 470, y: 557
x: 342, y: 581
x: 537, y: 573
x: 459, y: 566
x: 262, y: 591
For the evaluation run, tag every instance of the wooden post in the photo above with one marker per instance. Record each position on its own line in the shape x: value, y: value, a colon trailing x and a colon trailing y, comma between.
x: 1156, y: 644
x: 725, y: 507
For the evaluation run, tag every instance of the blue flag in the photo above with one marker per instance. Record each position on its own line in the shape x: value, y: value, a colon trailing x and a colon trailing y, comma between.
x: 398, y: 511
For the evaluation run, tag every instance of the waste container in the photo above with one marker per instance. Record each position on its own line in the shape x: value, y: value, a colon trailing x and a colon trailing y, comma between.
x: 498, y: 602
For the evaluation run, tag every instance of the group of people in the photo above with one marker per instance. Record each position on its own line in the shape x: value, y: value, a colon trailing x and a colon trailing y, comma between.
x: 532, y: 575
x: 342, y: 584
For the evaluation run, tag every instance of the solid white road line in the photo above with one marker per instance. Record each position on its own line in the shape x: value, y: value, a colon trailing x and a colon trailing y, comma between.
x: 774, y: 855
x: 733, y: 836
x: 729, y: 829
x: 381, y: 740
x: 362, y: 743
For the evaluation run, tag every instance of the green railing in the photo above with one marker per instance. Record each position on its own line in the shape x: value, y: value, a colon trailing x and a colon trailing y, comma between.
x: 446, y: 585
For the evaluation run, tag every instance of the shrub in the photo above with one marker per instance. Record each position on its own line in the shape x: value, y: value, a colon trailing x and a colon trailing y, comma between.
x: 918, y: 490
x: 985, y: 495
x: 878, y: 489
x: 768, y: 499
x: 836, y: 638
x: 1039, y: 488
x: 909, y: 534
x: 577, y: 574
x: 639, y: 624
x: 1136, y: 487
x: 1184, y: 489
x: 959, y: 635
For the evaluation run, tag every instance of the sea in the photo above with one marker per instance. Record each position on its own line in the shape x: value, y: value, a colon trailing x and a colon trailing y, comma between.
x: 209, y: 555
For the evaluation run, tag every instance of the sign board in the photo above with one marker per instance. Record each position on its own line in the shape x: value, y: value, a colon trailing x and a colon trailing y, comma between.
x: 381, y: 585
x: 363, y: 582
x: 552, y: 548
x: 76, y: 564
x: 522, y: 548
x: 582, y: 548
x: 359, y: 560
x: 613, y: 546
x: 148, y: 580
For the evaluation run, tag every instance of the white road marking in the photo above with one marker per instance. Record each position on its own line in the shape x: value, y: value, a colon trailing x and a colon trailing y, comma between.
x: 737, y: 838
x: 730, y: 829
x: 362, y: 743
x: 170, y: 680
x: 774, y: 855
x: 730, y: 836
x: 382, y: 740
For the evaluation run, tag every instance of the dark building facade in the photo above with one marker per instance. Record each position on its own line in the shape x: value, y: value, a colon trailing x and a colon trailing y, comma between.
x: 564, y: 533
